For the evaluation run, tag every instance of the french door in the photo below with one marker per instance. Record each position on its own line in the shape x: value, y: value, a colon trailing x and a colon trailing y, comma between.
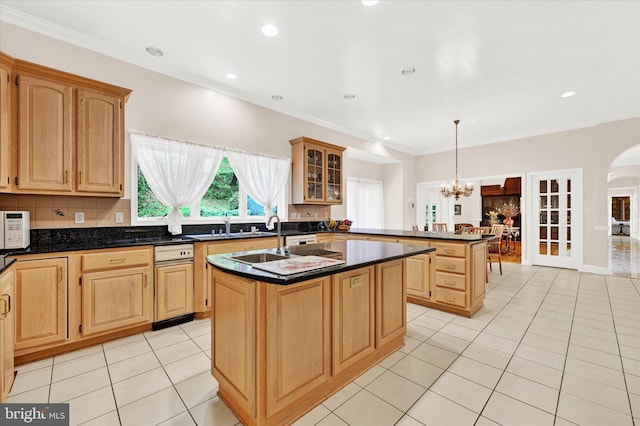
x: 556, y: 228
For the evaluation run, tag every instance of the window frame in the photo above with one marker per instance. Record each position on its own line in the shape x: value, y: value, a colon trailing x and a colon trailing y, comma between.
x: 282, y: 205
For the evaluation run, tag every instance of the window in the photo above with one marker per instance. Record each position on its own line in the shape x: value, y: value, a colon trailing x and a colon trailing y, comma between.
x: 365, y: 203
x: 225, y: 197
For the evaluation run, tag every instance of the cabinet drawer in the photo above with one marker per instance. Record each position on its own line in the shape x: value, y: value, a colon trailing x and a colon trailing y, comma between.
x: 451, y: 297
x: 455, y: 250
x: 116, y: 259
x: 444, y: 279
x: 449, y: 264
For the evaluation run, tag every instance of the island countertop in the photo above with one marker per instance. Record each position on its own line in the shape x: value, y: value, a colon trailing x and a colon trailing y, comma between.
x: 354, y: 253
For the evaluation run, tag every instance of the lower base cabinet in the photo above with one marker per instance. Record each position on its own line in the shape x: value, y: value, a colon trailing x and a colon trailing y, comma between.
x: 41, y: 302
x: 129, y: 293
x: 7, y: 333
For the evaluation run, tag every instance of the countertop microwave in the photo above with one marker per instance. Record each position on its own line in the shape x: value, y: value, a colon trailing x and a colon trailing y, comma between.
x: 14, y: 229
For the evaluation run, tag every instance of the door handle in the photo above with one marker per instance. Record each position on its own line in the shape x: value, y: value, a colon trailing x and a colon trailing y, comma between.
x: 80, y: 177
x: 66, y: 176
x: 5, y: 311
x: 59, y: 274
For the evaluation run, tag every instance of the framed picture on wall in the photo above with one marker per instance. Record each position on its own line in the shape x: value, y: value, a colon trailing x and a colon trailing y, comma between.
x: 457, y: 209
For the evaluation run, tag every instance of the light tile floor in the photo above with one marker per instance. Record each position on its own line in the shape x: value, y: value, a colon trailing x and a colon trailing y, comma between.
x: 550, y: 346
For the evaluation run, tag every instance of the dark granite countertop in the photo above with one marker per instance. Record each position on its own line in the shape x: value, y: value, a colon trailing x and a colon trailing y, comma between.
x: 417, y: 234
x: 355, y: 253
x: 5, y: 262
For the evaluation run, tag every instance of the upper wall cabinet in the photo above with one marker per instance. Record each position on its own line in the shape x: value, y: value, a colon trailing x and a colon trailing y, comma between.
x: 317, y: 176
x: 68, y: 133
x: 5, y: 122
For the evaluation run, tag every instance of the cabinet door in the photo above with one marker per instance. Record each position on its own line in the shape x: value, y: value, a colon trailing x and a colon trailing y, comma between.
x: 45, y: 114
x: 41, y: 302
x: 419, y: 276
x: 5, y: 138
x: 334, y: 192
x: 116, y: 299
x: 7, y: 333
x: 174, y: 290
x: 99, y: 143
x: 391, y: 301
x: 298, y: 341
x: 353, y: 317
x: 314, y: 172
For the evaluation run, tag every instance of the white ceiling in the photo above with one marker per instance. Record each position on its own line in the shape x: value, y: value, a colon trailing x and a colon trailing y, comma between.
x: 498, y: 66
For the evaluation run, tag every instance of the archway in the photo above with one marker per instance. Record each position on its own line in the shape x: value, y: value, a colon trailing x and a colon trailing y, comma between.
x: 623, y: 198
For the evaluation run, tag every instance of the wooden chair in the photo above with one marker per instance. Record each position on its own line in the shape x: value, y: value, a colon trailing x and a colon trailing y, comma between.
x: 460, y: 227
x: 439, y: 227
x: 494, y: 247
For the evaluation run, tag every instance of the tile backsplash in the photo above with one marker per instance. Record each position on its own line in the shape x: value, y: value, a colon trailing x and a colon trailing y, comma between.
x: 53, y: 211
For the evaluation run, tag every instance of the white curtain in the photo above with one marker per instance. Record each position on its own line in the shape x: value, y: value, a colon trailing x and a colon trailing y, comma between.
x: 263, y: 177
x: 365, y: 203
x: 179, y: 173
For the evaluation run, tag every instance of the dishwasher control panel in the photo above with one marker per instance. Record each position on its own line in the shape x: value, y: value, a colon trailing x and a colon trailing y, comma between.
x: 173, y: 252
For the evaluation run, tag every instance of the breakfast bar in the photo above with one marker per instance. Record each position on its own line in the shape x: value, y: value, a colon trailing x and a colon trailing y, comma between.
x: 284, y: 342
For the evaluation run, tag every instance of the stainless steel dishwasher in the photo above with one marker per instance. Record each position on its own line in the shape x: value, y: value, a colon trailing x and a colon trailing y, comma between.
x: 173, y: 285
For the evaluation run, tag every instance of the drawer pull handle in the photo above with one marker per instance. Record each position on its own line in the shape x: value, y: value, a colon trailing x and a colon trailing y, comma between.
x: 66, y: 176
x: 115, y: 261
x: 59, y: 274
x: 449, y: 266
x: 450, y: 298
x: 449, y: 251
x: 145, y: 281
x: 5, y: 309
x: 80, y: 177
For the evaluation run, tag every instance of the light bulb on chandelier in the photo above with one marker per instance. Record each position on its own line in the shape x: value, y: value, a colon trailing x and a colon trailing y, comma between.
x: 457, y: 190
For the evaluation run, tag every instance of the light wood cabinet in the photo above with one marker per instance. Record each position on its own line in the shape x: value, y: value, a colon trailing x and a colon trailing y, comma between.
x: 41, y: 302
x: 174, y: 290
x: 44, y: 135
x: 99, y: 144
x: 354, y: 315
x: 7, y: 333
x: 460, y: 276
x: 298, y: 339
x: 5, y: 122
x: 391, y: 306
x: 317, y: 173
x: 420, y: 276
x: 202, y: 279
x: 117, y: 290
x: 70, y: 133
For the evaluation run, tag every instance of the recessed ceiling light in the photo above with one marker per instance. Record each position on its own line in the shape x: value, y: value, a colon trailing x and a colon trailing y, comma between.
x: 369, y: 2
x: 269, y: 30
x: 386, y: 138
x: 231, y: 76
x: 568, y: 94
x: 408, y: 71
x: 349, y: 96
x: 154, y: 51
x: 276, y: 97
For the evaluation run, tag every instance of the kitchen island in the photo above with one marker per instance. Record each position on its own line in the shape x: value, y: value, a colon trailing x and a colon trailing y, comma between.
x: 282, y: 344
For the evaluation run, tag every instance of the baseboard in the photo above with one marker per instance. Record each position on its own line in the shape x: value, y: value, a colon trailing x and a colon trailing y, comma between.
x: 595, y: 270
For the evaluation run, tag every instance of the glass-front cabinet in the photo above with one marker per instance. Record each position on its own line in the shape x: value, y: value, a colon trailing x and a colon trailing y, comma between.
x: 317, y: 174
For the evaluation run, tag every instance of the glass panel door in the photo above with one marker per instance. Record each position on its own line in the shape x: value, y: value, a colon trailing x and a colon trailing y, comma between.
x: 554, y: 239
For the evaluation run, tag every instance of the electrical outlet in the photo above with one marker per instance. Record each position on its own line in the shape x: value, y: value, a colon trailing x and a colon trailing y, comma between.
x: 119, y: 217
x: 79, y: 217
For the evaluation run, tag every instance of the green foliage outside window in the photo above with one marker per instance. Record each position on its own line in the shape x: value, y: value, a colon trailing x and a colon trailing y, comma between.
x: 221, y: 199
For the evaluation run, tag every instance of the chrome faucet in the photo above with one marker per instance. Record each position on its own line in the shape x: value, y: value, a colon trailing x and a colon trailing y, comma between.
x: 227, y: 225
x: 278, y: 250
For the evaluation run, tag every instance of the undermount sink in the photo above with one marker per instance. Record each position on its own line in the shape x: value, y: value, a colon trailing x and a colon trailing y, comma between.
x: 258, y: 257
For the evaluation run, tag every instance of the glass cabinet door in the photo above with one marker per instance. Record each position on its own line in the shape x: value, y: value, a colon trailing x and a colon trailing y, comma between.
x: 314, y: 172
x: 334, y: 176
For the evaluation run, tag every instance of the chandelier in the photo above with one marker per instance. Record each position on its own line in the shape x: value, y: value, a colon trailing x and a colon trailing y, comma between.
x: 457, y: 190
